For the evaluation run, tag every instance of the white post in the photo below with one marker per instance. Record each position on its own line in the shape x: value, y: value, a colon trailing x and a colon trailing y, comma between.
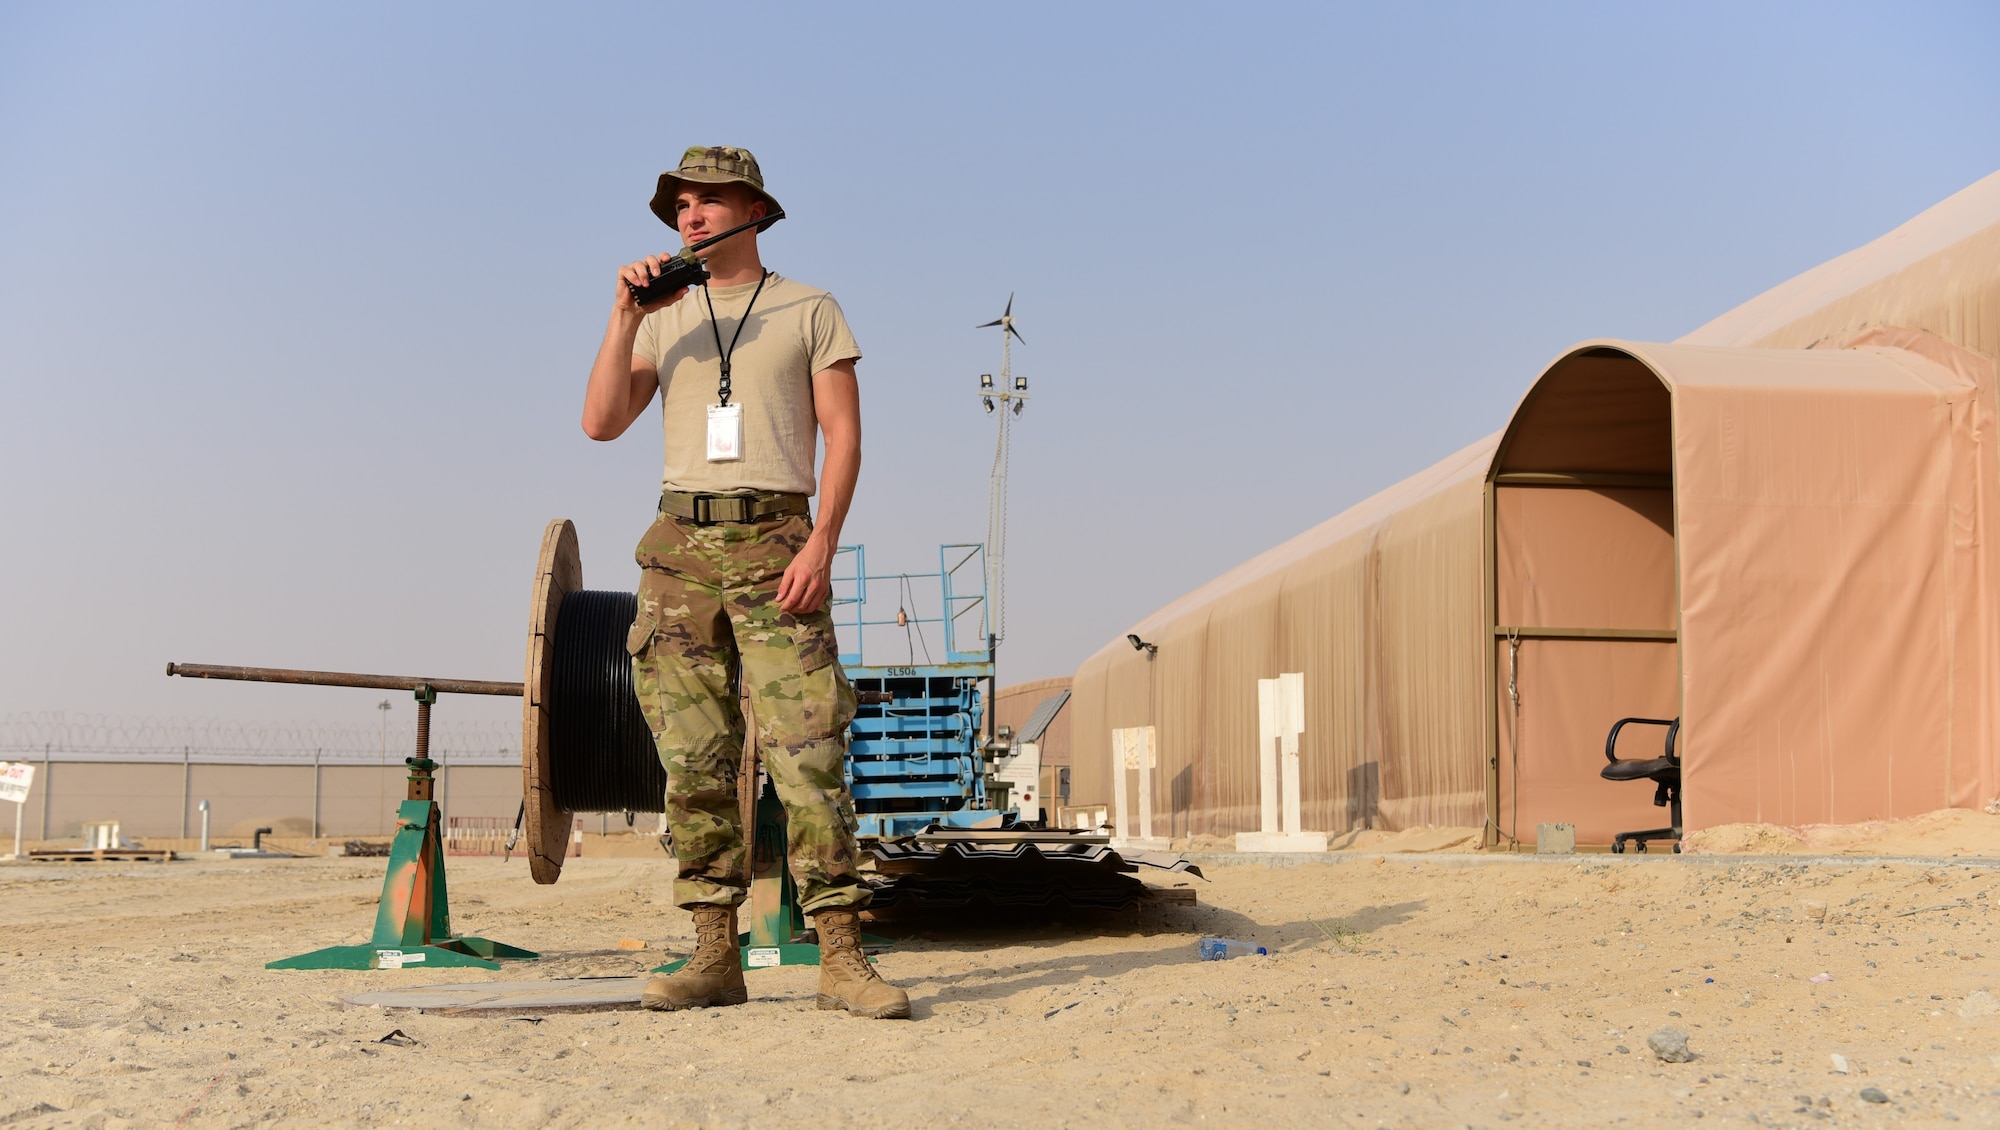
x: 1267, y: 754
x: 1281, y: 718
x: 1146, y: 782
x: 204, y: 825
x: 18, y: 806
x: 1291, y: 723
x: 1121, y: 819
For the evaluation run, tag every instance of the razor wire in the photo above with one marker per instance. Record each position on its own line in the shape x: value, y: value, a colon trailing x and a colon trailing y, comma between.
x: 62, y: 736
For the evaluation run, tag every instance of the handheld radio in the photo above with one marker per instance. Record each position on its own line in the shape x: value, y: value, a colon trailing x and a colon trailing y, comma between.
x: 684, y: 268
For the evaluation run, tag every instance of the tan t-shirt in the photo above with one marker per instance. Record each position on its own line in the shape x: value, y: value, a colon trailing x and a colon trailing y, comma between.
x: 794, y: 331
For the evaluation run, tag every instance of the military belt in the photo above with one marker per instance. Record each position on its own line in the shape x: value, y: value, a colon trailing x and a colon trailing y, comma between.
x: 709, y: 509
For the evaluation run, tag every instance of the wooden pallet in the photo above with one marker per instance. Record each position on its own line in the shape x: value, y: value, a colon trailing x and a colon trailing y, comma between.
x: 101, y: 855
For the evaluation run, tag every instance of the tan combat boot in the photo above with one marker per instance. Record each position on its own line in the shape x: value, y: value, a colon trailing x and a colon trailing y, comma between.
x: 713, y: 975
x: 846, y: 980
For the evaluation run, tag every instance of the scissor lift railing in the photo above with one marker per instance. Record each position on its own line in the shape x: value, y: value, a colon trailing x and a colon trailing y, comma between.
x: 914, y: 757
x: 960, y: 593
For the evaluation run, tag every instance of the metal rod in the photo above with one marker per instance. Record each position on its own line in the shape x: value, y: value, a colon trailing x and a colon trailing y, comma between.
x: 187, y: 772
x: 315, y: 796
x: 1583, y: 479
x: 1661, y: 634
x: 1489, y: 836
x: 341, y: 679
x: 48, y: 790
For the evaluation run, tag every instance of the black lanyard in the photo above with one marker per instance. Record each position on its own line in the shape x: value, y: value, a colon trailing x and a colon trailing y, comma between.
x: 722, y: 386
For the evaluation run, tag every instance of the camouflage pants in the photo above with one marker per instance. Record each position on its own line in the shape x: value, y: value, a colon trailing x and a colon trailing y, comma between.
x: 708, y: 610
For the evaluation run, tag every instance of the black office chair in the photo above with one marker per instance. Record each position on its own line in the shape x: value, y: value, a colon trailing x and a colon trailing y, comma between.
x: 1664, y: 772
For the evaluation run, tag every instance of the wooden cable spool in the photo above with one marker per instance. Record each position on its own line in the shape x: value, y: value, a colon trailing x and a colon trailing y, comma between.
x: 585, y: 746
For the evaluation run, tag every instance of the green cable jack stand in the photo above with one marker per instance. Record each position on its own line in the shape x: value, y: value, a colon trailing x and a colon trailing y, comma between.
x: 775, y: 921
x: 413, y: 923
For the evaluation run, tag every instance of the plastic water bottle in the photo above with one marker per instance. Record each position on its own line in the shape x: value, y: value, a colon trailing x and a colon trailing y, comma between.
x: 1222, y: 949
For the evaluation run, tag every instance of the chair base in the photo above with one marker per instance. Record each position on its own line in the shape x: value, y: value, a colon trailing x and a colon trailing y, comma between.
x: 1619, y: 841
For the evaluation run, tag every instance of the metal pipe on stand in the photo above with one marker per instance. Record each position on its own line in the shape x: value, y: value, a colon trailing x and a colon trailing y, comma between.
x: 413, y: 917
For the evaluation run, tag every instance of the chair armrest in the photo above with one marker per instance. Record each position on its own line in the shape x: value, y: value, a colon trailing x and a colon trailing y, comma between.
x: 1673, y: 726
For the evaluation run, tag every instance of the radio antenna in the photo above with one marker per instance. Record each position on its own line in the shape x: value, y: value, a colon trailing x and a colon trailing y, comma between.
x: 1008, y: 399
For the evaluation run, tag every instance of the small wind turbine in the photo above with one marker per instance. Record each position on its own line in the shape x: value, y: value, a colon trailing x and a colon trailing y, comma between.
x: 1008, y: 399
x: 1006, y: 323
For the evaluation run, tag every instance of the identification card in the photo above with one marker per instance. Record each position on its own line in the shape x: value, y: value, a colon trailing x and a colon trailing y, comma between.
x: 725, y: 433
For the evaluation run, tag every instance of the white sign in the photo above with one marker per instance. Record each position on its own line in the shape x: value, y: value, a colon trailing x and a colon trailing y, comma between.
x: 765, y: 957
x: 396, y: 959
x: 15, y: 778
x: 1133, y: 748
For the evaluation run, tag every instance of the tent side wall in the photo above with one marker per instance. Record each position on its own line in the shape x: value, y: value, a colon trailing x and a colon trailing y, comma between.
x: 1837, y: 612
x: 1384, y: 620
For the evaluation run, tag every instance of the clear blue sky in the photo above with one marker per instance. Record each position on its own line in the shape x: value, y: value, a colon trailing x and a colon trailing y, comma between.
x: 296, y: 302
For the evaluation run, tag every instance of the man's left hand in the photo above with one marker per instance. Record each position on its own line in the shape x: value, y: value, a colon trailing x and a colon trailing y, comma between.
x: 808, y: 579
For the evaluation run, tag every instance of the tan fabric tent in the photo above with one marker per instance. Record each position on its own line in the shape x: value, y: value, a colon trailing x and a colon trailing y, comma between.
x: 1775, y: 529
x: 1379, y: 607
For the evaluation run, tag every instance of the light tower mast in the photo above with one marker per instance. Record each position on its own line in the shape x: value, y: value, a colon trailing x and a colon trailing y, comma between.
x: 1007, y: 399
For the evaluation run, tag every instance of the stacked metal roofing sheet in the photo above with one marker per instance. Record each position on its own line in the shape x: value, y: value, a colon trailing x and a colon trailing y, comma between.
x: 1004, y: 873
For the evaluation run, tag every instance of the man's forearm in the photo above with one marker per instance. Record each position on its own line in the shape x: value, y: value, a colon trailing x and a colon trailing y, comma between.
x: 607, y: 402
x: 836, y: 488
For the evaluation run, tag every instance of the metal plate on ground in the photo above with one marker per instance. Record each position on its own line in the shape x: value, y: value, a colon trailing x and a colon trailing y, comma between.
x: 501, y: 999
x: 558, y: 573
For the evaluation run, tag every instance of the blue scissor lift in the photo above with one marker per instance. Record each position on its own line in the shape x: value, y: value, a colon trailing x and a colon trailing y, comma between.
x: 916, y: 755
x: 917, y: 760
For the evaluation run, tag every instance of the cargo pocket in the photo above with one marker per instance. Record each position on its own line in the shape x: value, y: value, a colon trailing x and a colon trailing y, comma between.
x: 827, y: 698
x: 817, y: 645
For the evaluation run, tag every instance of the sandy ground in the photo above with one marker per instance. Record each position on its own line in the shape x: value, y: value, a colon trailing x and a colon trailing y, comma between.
x: 1946, y: 833
x: 1410, y: 990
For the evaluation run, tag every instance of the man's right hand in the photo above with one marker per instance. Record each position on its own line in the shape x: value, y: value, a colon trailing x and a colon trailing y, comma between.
x: 639, y: 274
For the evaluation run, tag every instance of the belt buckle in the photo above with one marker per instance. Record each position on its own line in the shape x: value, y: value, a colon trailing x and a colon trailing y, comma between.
x: 705, y: 509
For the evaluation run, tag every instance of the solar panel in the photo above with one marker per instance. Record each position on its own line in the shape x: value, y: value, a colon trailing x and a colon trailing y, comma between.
x: 1045, y: 713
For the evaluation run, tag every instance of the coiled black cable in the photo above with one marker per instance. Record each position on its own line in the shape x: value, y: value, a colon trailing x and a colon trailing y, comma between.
x: 602, y: 757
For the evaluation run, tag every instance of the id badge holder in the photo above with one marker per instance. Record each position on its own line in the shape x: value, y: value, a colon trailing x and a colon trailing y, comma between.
x: 725, y: 433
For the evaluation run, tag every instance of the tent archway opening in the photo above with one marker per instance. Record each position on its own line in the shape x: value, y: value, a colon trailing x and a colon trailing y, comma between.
x: 1582, y: 596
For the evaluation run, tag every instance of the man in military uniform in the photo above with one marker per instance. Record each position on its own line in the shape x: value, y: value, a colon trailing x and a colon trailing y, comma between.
x: 750, y: 370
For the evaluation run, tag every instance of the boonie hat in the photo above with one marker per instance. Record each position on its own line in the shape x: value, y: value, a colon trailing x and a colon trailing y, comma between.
x: 712, y: 164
